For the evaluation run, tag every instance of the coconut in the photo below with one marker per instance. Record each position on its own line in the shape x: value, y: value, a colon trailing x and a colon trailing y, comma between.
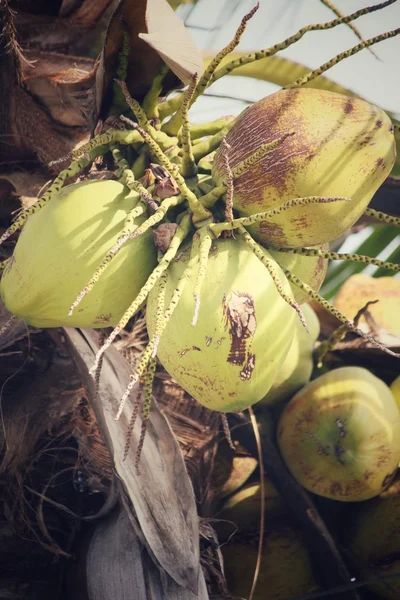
x: 395, y: 389
x: 359, y: 289
x: 230, y: 359
x: 60, y: 248
x: 298, y: 365
x: 340, y: 435
x: 241, y: 512
x: 310, y: 269
x: 285, y: 570
x: 340, y: 147
x: 375, y: 542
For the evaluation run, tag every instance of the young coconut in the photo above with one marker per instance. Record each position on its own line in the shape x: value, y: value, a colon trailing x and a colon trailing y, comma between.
x: 340, y: 435
x: 285, y: 570
x: 335, y: 146
x: 310, y: 269
x: 395, y: 389
x: 230, y: 359
x: 359, y: 289
x: 241, y: 512
x: 298, y: 365
x: 375, y: 542
x: 60, y: 247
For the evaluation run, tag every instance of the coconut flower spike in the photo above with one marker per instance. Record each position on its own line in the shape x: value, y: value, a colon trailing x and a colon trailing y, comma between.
x: 147, y: 355
x: 173, y: 125
x: 188, y: 167
x: 342, y: 56
x: 218, y: 228
x: 358, y: 258
x: 181, y: 233
x: 104, y: 140
x: 161, y: 322
x: 336, y: 313
x: 148, y: 397
x: 271, y: 51
x: 382, y: 217
x: 270, y: 266
x: 204, y: 250
x: 200, y: 214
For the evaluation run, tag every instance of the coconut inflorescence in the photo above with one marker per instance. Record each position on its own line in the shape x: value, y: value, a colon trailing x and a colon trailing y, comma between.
x: 236, y: 252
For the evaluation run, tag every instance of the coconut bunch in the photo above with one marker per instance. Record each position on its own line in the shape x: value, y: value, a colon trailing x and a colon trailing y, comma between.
x: 219, y: 229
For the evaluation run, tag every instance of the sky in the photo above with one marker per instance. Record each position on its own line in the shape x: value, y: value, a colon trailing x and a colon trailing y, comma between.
x: 376, y: 79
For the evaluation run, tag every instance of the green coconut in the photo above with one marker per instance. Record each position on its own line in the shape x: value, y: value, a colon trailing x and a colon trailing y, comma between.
x: 340, y: 147
x: 230, y: 358
x: 285, y: 570
x: 340, y: 435
x: 395, y: 389
x: 298, y: 365
x: 310, y: 269
x: 375, y: 542
x: 60, y: 248
x: 241, y: 512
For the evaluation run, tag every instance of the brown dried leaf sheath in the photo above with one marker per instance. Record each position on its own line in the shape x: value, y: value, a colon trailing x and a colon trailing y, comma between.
x: 162, y: 495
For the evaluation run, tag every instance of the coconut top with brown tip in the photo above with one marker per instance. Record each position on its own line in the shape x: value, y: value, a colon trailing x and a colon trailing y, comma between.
x: 337, y: 147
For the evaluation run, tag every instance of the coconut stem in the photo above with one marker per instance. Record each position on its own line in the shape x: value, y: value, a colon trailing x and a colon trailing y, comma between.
x: 161, y: 323
x: 135, y: 107
x: 269, y: 263
x: 351, y: 26
x: 188, y: 168
x: 208, y: 129
x: 228, y: 177
x: 336, y: 313
x: 209, y: 199
x: 209, y: 72
x: 268, y: 52
x: 157, y: 216
x: 383, y: 217
x: 181, y: 233
x: 174, y: 124
x: 148, y: 396
x: 132, y: 421
x: 151, y: 100
x: 264, y: 149
x: 342, y: 56
x: 148, y: 354
x: 119, y: 160
x: 200, y: 214
x: 326, y: 346
x: 136, y: 186
x: 360, y: 258
x: 212, y: 143
x: 204, y: 250
x: 218, y: 228
x: 105, y: 139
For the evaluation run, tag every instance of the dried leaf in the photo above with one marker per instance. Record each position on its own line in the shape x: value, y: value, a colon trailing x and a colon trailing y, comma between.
x: 47, y: 25
x: 144, y: 62
x: 167, y: 34
x: 63, y: 84
x: 167, y: 518
x: 117, y: 563
x: 27, y: 133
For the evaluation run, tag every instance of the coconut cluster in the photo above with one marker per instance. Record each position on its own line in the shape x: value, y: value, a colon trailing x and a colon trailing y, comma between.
x: 220, y: 230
